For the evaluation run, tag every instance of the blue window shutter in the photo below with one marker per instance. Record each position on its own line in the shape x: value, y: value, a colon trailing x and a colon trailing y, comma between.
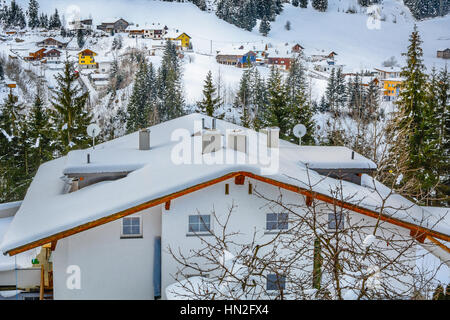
x: 157, y: 268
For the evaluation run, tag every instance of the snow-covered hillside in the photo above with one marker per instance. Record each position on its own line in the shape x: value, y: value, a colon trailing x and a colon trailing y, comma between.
x: 360, y: 41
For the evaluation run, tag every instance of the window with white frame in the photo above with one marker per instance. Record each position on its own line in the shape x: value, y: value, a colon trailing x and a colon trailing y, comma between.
x: 277, y: 221
x: 199, y: 223
x: 275, y: 282
x: 131, y: 227
x: 335, y: 220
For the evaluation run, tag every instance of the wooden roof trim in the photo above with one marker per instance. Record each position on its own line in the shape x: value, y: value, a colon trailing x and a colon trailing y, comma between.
x: 164, y: 199
x: 439, y: 244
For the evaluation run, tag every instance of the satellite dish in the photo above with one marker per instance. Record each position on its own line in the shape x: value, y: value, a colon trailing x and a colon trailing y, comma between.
x: 299, y: 131
x: 93, y: 130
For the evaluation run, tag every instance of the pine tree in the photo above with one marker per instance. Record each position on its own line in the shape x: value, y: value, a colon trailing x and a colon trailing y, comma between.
x: 43, y: 21
x: 33, y: 14
x: 55, y: 21
x: 80, y: 38
x: 142, y: 104
x: 11, y: 155
x: 243, y: 99
x: 70, y: 115
x: 418, y: 118
x: 303, y: 3
x: 210, y: 102
x: 320, y: 5
x: 264, y: 27
x: 258, y: 98
x: 438, y: 91
x: 277, y: 113
x: 2, y: 72
x: 287, y: 26
x: 295, y: 3
x: 40, y: 135
x: 331, y: 92
x: 300, y: 109
x: 170, y: 91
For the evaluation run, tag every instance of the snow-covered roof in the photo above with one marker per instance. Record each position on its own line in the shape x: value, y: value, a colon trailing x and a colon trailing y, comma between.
x: 48, y: 209
x: 394, y: 79
x: 23, y: 260
x: 9, y: 209
x: 333, y: 158
x: 389, y: 69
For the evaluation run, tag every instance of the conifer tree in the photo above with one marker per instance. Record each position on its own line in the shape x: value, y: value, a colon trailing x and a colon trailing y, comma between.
x: 33, y: 14
x: 419, y: 119
x: 300, y: 108
x: 43, y: 21
x: 210, y: 102
x: 142, y: 105
x: 2, y: 72
x: 70, y: 115
x: 258, y: 98
x: 11, y: 155
x: 243, y: 99
x: 80, y: 38
x: 170, y: 91
x: 277, y: 113
x: 40, y: 134
x: 264, y: 27
x: 320, y: 5
x: 303, y: 3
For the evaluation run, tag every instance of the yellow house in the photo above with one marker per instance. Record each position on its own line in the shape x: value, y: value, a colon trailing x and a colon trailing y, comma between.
x: 184, y: 38
x: 391, y: 88
x: 86, y: 59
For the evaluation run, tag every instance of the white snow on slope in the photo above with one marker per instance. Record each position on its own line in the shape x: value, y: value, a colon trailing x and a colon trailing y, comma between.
x: 358, y: 46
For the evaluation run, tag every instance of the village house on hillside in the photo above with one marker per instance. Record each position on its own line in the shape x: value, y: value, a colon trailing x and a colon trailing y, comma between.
x: 81, y: 24
x: 444, y: 54
x: 119, y: 25
x: 125, y: 208
x: 175, y: 36
x: 236, y: 57
x: 52, y: 43
x: 86, y: 59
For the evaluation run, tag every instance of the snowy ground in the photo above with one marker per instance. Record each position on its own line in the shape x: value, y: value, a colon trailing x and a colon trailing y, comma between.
x: 359, y: 44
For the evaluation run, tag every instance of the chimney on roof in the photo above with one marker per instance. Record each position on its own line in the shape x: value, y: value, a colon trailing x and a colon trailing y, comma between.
x: 273, y: 136
x: 237, y: 140
x: 144, y: 139
x: 353, y: 155
x: 211, y: 138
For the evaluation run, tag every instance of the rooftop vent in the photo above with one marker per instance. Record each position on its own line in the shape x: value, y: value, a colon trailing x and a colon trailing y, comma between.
x: 144, y: 139
x: 237, y: 140
x: 273, y: 137
x: 211, y: 138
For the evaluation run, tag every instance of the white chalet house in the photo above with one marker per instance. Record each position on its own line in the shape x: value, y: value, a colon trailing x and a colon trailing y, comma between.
x: 112, y: 213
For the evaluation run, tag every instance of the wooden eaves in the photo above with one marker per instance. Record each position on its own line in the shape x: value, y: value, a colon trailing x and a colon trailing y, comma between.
x: 307, y: 193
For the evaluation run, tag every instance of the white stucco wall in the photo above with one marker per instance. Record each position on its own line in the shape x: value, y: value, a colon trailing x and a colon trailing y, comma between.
x: 111, y: 267
x: 114, y: 268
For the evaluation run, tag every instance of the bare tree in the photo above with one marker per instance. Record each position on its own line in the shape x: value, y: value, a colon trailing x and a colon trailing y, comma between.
x: 320, y: 250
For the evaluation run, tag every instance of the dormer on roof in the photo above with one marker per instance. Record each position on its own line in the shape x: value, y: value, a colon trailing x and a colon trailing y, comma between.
x: 337, y: 162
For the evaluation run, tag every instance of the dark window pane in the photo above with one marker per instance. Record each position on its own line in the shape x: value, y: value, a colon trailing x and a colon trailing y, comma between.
x: 126, y: 230
x: 271, y: 225
x: 275, y: 282
x: 135, y: 230
x: 126, y: 222
x: 193, y: 219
